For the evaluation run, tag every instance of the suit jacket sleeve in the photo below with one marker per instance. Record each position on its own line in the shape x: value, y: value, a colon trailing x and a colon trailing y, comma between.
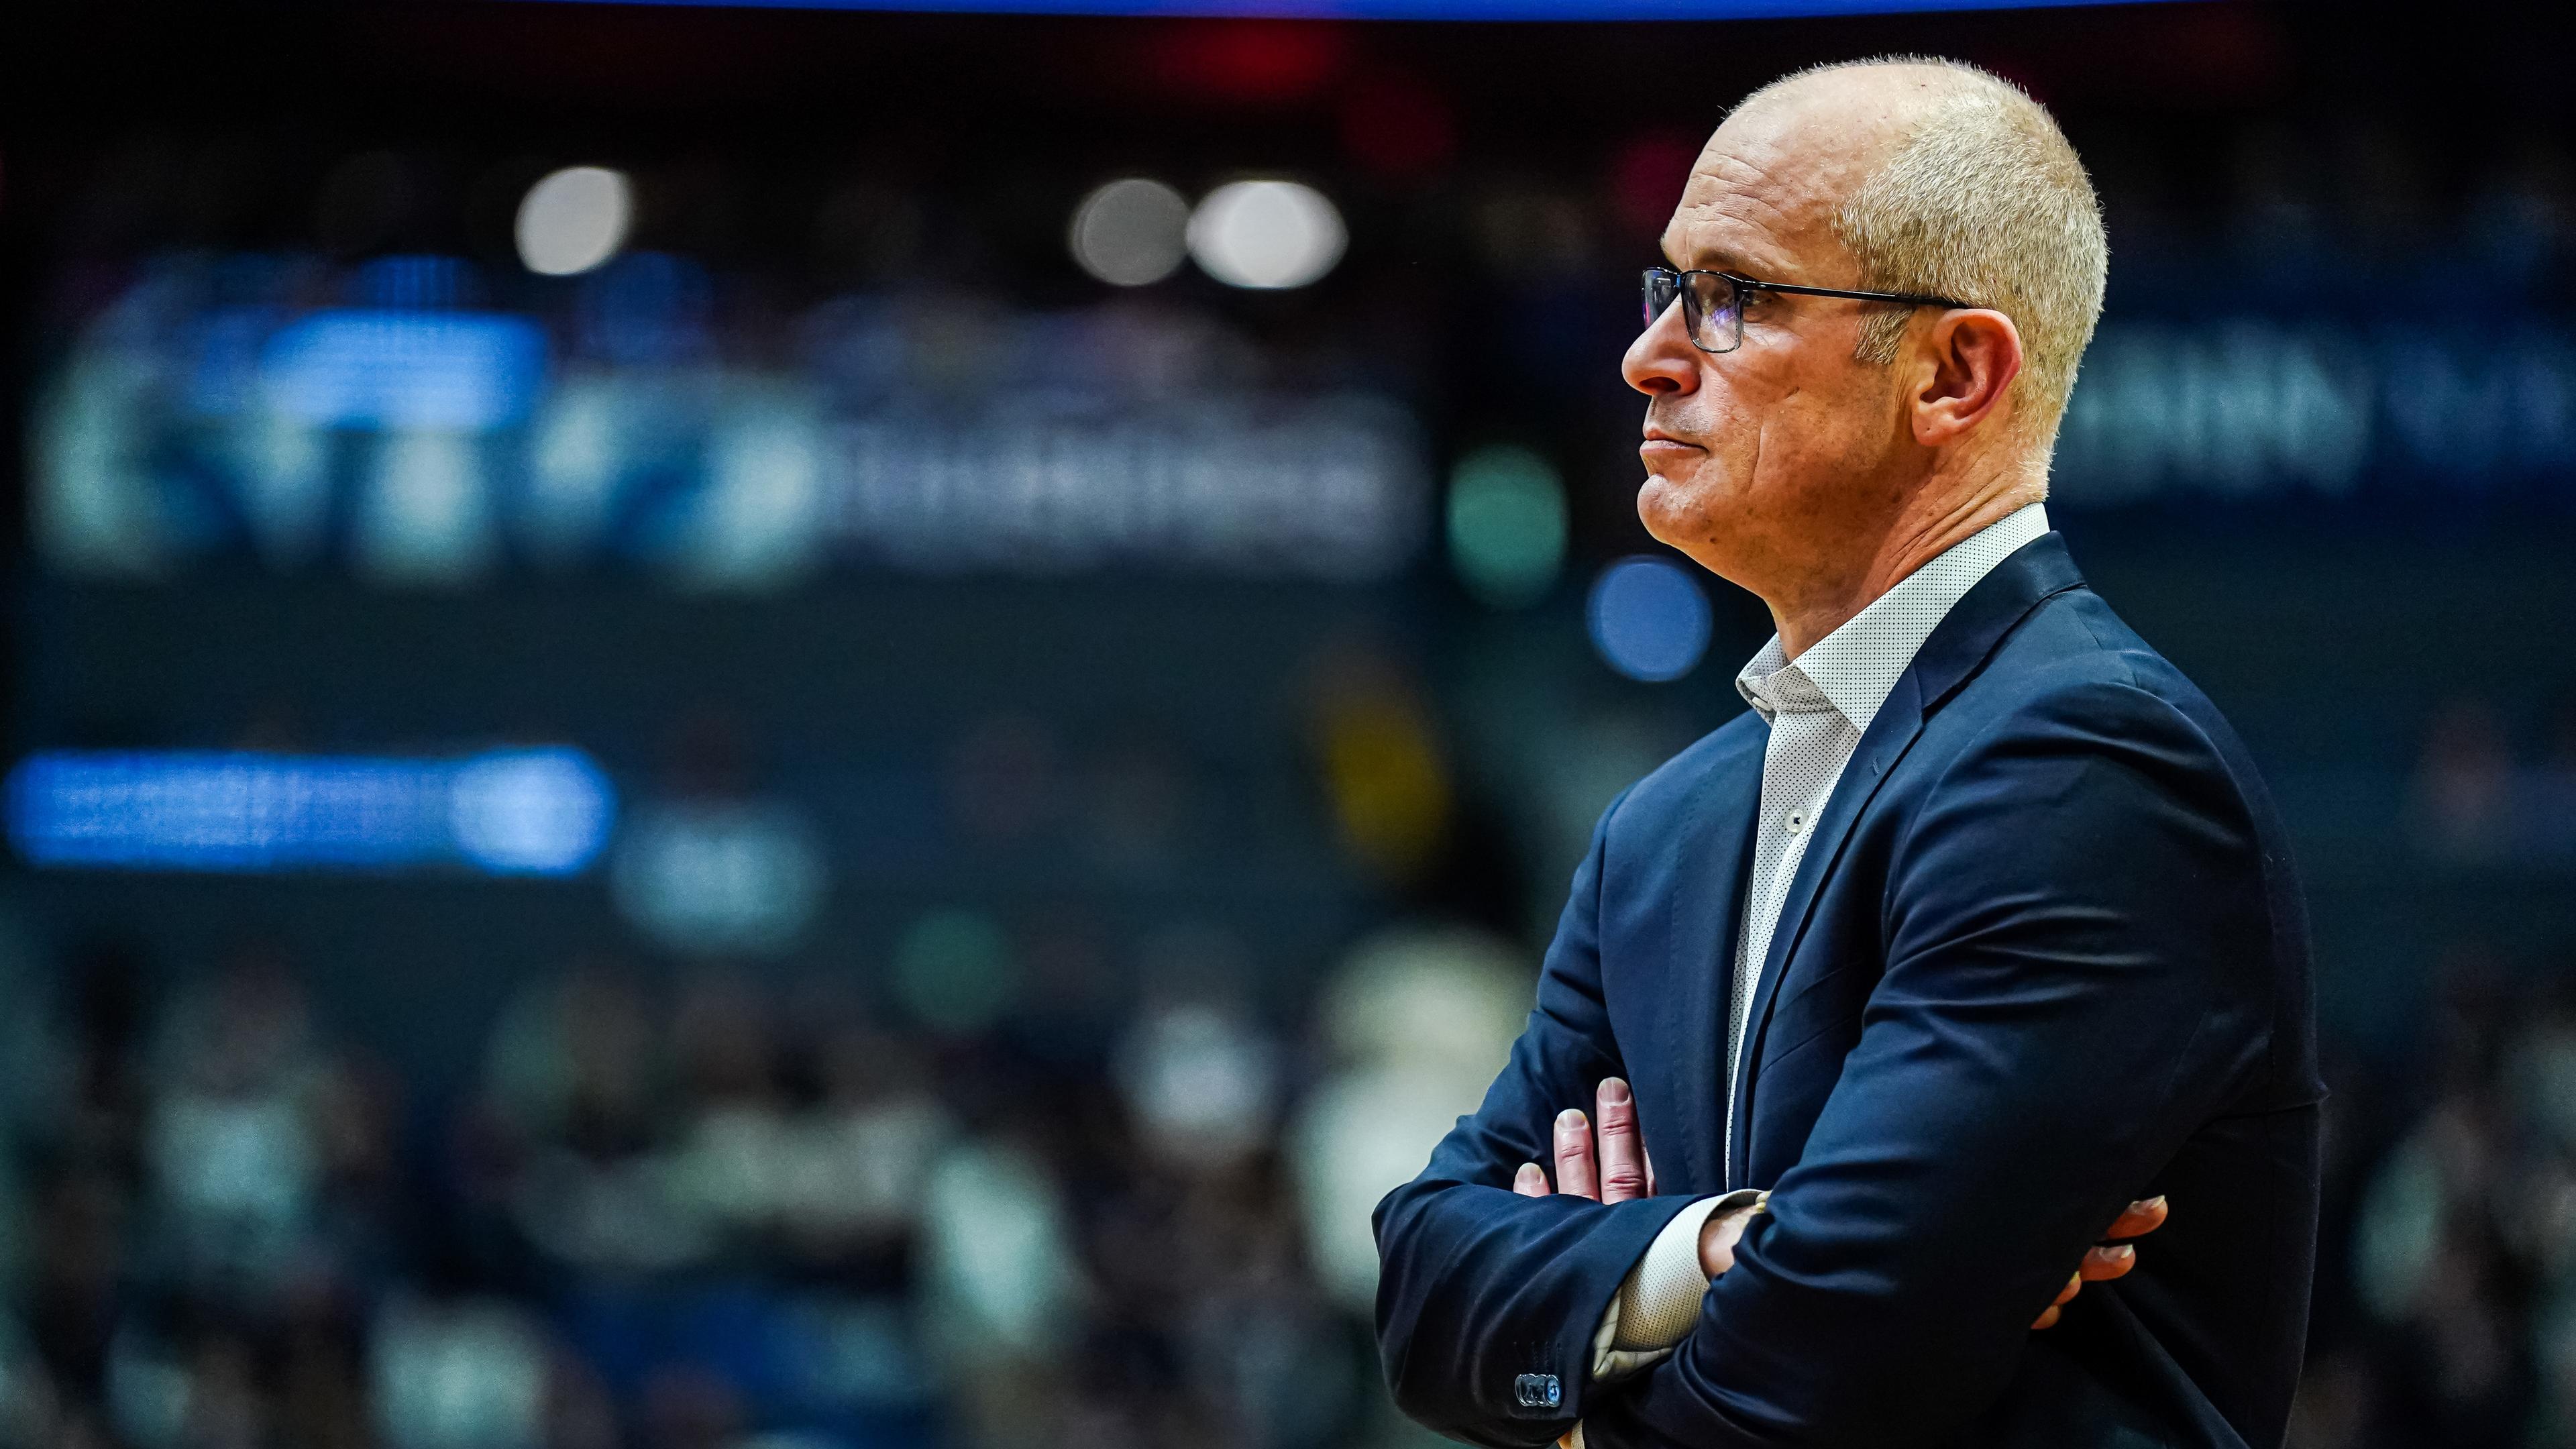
x: 1479, y: 1287
x: 2079, y: 959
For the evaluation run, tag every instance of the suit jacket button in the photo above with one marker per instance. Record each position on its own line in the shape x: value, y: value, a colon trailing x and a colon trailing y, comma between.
x: 1538, y: 1391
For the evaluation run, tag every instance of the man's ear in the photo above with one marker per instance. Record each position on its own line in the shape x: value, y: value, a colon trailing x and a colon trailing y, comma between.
x: 1971, y: 356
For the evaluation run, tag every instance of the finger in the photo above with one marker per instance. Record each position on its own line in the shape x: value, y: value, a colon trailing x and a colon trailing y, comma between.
x: 2102, y: 1264
x: 1574, y: 1168
x: 1530, y: 1181
x: 1623, y: 1153
x: 2065, y: 1295
x: 2142, y: 1217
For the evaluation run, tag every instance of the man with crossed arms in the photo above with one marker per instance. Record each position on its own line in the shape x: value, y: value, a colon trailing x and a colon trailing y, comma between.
x: 1966, y: 948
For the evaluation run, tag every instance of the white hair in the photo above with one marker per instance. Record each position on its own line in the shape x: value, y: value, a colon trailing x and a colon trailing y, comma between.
x: 1981, y: 200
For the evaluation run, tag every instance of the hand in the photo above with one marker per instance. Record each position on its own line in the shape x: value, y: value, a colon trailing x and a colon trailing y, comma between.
x: 1610, y: 1165
x: 1613, y: 1171
x: 2107, y: 1262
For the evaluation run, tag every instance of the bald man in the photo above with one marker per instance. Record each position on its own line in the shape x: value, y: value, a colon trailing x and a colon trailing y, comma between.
x: 1971, y: 945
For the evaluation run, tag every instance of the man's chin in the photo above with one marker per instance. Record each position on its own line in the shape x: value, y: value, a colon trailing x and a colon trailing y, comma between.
x: 1678, y: 517
x: 1666, y: 507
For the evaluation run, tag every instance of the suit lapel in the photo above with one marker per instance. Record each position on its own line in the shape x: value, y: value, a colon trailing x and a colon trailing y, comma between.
x: 1970, y: 632
x: 1890, y: 733
x: 1706, y: 901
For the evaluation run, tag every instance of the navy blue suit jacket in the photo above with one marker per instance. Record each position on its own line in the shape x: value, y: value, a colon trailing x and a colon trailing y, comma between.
x: 2044, y: 955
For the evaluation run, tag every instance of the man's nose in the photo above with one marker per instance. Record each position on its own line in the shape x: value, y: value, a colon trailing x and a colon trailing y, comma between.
x: 1662, y: 361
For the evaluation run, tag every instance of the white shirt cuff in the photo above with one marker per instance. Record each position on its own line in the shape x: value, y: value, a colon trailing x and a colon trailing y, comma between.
x: 1659, y: 1299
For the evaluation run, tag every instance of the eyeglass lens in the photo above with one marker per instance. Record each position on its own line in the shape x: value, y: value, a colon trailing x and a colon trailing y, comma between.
x: 1710, y: 307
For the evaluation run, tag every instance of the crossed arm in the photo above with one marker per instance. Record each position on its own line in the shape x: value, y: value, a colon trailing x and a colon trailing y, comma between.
x: 1603, y: 1158
x: 2073, y: 981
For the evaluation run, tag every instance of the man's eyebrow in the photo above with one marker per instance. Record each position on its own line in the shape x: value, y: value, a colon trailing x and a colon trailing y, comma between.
x: 1707, y: 261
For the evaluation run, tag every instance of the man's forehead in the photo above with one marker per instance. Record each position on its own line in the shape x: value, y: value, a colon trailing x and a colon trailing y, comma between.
x: 1743, y: 212
x: 1764, y: 189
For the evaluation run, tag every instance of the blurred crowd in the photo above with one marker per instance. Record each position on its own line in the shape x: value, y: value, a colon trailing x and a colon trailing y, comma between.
x: 2447, y: 1295
x: 2446, y: 1309
x: 714, y: 1213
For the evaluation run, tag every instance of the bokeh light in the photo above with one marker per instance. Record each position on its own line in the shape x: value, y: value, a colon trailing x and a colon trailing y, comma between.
x: 1268, y: 234
x: 1506, y: 525
x: 574, y: 219
x: 1131, y: 232
x: 1649, y: 619
x: 531, y: 812
x: 954, y: 971
x: 1203, y: 1084
x: 718, y: 876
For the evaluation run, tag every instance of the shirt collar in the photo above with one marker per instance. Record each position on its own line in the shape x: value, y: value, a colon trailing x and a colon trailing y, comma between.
x: 1853, y: 669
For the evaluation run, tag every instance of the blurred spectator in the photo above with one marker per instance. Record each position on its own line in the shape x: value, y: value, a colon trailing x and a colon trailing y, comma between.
x: 711, y: 868
x: 1201, y: 1085
x: 458, y: 1375
x: 1415, y: 1025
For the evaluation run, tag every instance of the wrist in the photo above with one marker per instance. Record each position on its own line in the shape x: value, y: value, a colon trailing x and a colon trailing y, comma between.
x: 1723, y: 1230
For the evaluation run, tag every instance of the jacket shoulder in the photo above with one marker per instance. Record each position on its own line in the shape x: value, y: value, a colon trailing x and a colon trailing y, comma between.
x: 2076, y: 680
x: 2074, y: 660
x: 1672, y: 784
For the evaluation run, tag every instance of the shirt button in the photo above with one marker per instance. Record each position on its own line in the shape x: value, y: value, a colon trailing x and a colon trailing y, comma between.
x: 1797, y: 821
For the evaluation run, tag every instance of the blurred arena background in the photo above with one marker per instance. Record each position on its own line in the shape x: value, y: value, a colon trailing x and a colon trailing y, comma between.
x: 796, y: 730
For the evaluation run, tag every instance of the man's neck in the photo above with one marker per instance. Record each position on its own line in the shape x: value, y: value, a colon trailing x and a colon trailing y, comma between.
x: 1829, y: 598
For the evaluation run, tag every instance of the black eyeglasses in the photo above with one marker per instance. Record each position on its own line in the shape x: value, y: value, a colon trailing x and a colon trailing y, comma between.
x: 1713, y: 302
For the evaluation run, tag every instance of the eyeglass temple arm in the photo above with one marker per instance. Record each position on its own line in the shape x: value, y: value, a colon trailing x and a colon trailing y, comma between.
x: 1793, y: 288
